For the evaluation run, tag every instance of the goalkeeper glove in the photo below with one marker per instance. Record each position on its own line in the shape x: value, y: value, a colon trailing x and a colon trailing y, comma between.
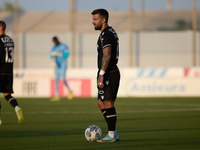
x: 56, y: 54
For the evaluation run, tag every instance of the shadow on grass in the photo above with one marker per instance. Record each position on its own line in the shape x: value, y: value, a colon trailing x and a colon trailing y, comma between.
x: 156, y: 118
x: 7, y: 134
x: 158, y: 130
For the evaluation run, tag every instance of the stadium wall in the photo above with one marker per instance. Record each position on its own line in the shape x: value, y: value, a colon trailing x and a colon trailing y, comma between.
x: 135, y: 82
x: 150, y: 49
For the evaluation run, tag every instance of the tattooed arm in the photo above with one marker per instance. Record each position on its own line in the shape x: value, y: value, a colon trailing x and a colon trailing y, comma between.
x: 105, y: 63
x: 106, y: 58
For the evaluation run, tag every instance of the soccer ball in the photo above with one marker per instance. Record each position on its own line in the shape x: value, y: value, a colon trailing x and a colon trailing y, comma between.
x: 93, y: 133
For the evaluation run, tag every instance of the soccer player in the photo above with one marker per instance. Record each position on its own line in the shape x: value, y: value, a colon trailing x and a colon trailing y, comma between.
x: 0, y: 113
x: 108, y: 76
x: 6, y: 70
x: 58, y: 54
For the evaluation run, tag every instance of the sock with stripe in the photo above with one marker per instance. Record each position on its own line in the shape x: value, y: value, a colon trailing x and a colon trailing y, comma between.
x: 104, y: 113
x: 11, y: 100
x: 111, y: 118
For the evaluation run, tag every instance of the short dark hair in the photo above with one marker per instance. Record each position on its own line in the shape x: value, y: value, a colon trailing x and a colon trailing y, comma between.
x: 3, y: 25
x: 101, y: 12
x: 55, y: 38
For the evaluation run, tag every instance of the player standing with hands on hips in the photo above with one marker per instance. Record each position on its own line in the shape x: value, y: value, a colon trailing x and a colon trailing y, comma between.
x: 6, y: 70
x: 108, y: 76
x: 59, y: 54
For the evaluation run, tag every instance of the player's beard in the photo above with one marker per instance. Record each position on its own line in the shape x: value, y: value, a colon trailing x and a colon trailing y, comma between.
x: 98, y: 27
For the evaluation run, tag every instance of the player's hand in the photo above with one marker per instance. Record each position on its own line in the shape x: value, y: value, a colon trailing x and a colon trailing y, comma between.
x: 53, y: 64
x: 56, y: 54
x: 100, y: 81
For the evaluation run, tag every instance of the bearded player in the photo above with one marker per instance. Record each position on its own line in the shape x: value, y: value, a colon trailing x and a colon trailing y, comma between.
x: 108, y: 76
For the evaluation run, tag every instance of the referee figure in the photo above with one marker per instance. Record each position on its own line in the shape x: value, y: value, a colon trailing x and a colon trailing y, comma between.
x: 108, y: 76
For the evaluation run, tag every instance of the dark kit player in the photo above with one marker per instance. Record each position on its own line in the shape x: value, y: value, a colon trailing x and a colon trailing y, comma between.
x: 6, y: 69
x: 108, y: 76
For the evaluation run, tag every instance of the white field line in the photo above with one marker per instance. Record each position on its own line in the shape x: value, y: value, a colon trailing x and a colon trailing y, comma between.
x: 141, y: 104
x: 160, y: 104
x: 121, y: 112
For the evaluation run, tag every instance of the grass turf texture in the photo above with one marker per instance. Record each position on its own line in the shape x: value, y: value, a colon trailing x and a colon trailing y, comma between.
x: 143, y: 123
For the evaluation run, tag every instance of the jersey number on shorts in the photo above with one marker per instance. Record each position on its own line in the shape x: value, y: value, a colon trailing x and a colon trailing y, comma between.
x: 9, y: 55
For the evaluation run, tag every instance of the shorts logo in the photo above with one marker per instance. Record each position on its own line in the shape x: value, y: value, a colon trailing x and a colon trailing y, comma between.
x: 101, y: 92
x: 107, y: 82
x: 102, y: 97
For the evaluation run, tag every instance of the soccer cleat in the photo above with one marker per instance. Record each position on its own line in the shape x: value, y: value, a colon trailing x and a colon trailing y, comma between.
x: 57, y: 98
x: 0, y: 122
x: 70, y: 96
x: 117, y: 137
x: 20, y: 115
x: 107, y: 139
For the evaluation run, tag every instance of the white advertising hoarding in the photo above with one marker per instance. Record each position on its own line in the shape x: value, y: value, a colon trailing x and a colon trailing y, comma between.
x: 135, y: 82
x: 159, y: 87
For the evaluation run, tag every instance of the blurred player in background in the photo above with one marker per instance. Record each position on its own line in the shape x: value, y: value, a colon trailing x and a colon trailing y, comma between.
x: 6, y: 69
x: 1, y: 95
x: 108, y: 76
x: 59, y: 54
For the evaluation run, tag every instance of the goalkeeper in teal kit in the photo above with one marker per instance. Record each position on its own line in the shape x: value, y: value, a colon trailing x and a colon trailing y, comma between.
x: 59, y: 54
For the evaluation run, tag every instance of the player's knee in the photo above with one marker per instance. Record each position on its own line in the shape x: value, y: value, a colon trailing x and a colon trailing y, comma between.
x: 62, y: 78
x: 6, y: 94
x: 108, y: 104
x: 100, y: 104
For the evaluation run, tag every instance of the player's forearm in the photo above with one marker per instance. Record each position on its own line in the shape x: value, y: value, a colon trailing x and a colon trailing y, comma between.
x: 106, y: 58
x: 105, y: 63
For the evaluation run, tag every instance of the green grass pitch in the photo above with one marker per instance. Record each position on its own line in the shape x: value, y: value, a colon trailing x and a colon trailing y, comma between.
x: 143, y: 124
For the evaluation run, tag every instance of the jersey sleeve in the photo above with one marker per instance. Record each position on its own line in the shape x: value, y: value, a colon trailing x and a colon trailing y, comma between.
x: 65, y: 53
x: 51, y: 56
x: 106, y: 42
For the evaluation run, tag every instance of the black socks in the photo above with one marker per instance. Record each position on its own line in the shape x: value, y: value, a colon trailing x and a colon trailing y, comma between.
x: 11, y: 100
x: 110, y: 117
